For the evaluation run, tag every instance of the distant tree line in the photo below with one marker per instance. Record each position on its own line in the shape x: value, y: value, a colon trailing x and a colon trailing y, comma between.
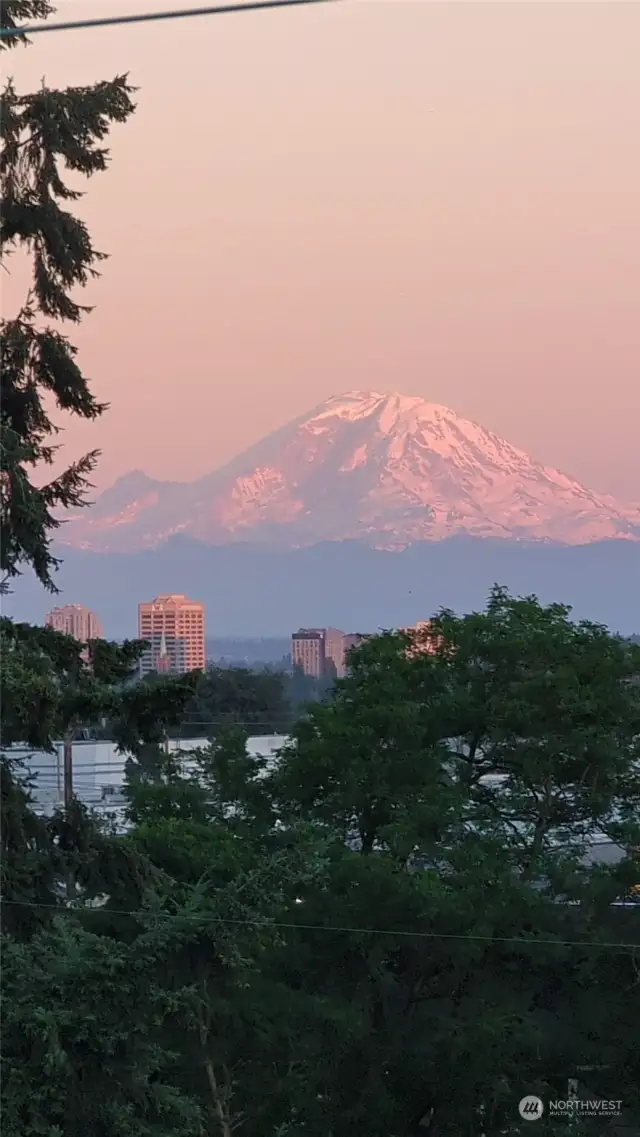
x: 265, y: 700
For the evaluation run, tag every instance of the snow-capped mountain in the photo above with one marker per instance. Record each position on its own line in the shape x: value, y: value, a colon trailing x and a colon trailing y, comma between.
x: 387, y: 470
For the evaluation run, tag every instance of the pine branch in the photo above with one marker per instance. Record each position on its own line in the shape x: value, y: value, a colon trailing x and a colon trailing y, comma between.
x: 46, y: 134
x: 15, y: 12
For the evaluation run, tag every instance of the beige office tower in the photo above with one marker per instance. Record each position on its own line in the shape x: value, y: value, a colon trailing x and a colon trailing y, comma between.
x: 75, y: 620
x: 174, y: 629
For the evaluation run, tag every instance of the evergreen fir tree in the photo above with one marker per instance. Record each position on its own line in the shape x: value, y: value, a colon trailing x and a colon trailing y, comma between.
x: 46, y: 135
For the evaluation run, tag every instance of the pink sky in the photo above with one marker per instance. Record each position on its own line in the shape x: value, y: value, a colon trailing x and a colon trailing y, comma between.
x: 439, y: 199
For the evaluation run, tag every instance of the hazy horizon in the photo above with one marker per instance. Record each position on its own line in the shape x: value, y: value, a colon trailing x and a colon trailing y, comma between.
x: 439, y: 199
x: 258, y: 591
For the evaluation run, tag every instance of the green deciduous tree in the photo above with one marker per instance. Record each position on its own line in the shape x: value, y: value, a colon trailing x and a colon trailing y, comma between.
x: 470, y: 781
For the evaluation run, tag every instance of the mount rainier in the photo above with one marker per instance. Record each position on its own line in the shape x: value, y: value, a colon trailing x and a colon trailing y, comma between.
x: 387, y: 470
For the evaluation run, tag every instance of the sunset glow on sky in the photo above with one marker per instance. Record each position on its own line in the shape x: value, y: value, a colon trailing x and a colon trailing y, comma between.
x: 437, y: 199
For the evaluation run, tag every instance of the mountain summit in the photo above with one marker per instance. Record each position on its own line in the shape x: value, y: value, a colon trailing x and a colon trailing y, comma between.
x: 387, y: 470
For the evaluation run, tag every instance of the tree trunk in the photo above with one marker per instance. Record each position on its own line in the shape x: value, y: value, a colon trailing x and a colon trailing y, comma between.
x: 219, y: 1100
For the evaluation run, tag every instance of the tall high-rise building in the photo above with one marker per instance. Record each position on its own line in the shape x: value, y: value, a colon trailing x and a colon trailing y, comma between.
x: 75, y: 620
x: 174, y: 629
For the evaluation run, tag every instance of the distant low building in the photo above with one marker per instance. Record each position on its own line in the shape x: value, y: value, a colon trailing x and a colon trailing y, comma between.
x: 99, y: 771
x: 323, y: 652
x: 319, y: 652
x: 75, y: 620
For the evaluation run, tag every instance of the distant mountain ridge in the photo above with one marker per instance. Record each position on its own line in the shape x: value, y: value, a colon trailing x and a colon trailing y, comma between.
x: 259, y: 591
x: 385, y: 470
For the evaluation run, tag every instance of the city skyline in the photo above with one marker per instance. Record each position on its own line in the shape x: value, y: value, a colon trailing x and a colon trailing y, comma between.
x: 453, y: 214
x: 173, y: 627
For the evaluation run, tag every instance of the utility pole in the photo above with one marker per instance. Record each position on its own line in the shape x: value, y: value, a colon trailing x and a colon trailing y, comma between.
x: 68, y: 770
x: 67, y: 764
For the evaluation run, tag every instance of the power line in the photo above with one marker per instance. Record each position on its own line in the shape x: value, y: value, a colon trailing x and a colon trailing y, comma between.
x: 146, y: 17
x: 267, y: 731
x: 331, y: 928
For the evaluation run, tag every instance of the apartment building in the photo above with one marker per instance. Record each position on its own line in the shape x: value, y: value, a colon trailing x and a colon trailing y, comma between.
x: 322, y: 652
x: 75, y: 620
x: 173, y: 626
x: 308, y: 651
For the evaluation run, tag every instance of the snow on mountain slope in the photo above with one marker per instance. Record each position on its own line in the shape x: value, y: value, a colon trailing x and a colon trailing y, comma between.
x: 385, y: 469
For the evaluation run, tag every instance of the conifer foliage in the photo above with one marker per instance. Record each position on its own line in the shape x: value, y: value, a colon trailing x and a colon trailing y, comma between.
x: 51, y: 141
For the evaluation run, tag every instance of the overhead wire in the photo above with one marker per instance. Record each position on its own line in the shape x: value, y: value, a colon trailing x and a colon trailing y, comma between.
x: 146, y: 17
x: 331, y: 928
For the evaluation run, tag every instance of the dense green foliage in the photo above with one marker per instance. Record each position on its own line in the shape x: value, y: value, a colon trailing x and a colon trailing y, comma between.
x: 372, y: 936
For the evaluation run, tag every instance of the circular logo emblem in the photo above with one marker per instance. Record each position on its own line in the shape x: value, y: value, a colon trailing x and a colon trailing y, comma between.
x: 531, y: 1108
